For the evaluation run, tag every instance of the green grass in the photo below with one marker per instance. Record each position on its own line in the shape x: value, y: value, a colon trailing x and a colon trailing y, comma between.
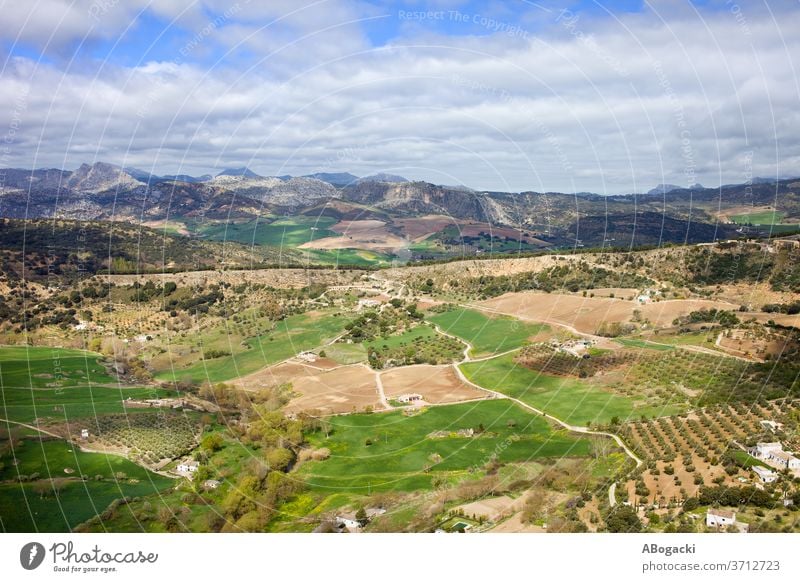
x: 764, y: 218
x: 294, y: 334
x: 43, y: 367
x: 284, y: 232
x: 487, y: 335
x: 400, y: 451
x: 354, y: 257
x: 748, y: 461
x: 55, y: 383
x: 24, y: 509
x: 565, y: 398
x: 346, y: 353
x: 404, y: 339
x: 26, y: 405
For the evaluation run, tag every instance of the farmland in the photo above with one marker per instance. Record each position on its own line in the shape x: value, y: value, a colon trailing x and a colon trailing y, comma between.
x: 570, y: 400
x: 487, y: 334
x: 53, y: 496
x: 421, y: 344
x: 394, y: 452
x: 42, y: 367
x: 61, y: 385
x: 288, y: 337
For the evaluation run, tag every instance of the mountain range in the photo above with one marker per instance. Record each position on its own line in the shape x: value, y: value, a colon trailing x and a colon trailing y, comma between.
x: 103, y: 191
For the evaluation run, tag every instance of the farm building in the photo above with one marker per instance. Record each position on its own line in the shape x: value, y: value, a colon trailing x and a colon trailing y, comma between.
x: 406, y: 398
x: 209, y: 484
x: 720, y: 518
x: 765, y: 474
x: 773, y: 454
x: 348, y: 520
x: 362, y: 303
x: 307, y: 356
x: 84, y: 433
x: 187, y: 466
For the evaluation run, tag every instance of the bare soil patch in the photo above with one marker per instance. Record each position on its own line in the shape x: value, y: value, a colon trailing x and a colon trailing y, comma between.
x: 436, y: 384
x: 363, y: 234
x: 418, y: 229
x: 514, y: 525
x: 585, y: 314
x: 345, y: 389
x: 493, y: 508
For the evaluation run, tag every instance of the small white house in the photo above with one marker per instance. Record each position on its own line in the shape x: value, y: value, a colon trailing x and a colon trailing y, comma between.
x: 408, y: 398
x: 720, y: 518
x: 349, y: 521
x: 362, y: 303
x: 188, y: 466
x: 209, y: 484
x: 765, y: 474
x: 84, y: 433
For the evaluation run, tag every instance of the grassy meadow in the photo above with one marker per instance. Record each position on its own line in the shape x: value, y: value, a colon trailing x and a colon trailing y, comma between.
x: 391, y: 451
x: 487, y: 335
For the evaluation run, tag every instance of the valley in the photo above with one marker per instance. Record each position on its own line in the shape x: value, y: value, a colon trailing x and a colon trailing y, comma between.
x: 562, y: 392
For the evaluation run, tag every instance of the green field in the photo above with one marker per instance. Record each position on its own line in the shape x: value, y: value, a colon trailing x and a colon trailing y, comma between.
x: 354, y: 257
x: 400, y: 450
x: 403, y: 339
x: 290, y: 336
x: 25, y: 405
x: 44, y: 367
x: 568, y: 399
x: 346, y: 353
x: 55, y: 383
x: 34, y: 506
x: 283, y: 232
x: 764, y: 218
x: 487, y: 335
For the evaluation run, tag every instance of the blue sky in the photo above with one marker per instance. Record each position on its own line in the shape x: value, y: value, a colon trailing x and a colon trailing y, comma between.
x: 514, y: 95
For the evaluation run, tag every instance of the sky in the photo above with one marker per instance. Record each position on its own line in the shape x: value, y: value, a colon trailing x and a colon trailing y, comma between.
x: 515, y: 95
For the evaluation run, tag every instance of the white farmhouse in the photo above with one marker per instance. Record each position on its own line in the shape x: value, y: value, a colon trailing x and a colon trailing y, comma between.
x: 720, y: 518
x: 349, y: 521
x: 765, y: 474
x: 188, y: 466
x: 774, y: 455
x: 408, y: 398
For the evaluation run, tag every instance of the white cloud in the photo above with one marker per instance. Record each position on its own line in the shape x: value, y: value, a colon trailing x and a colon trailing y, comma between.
x: 601, y: 107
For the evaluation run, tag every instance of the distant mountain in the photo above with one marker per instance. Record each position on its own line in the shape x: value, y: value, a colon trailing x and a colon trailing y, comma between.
x: 666, y: 188
x: 243, y: 172
x: 187, y: 178
x: 419, y: 198
x: 100, y: 177
x: 142, y: 175
x: 381, y: 177
x: 338, y: 179
x: 103, y: 192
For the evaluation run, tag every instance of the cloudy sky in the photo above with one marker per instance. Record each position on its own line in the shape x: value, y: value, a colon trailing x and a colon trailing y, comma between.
x: 498, y: 95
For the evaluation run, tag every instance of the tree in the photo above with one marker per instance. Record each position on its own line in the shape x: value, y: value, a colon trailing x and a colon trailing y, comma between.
x: 361, y: 516
x: 623, y: 519
x: 212, y: 442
